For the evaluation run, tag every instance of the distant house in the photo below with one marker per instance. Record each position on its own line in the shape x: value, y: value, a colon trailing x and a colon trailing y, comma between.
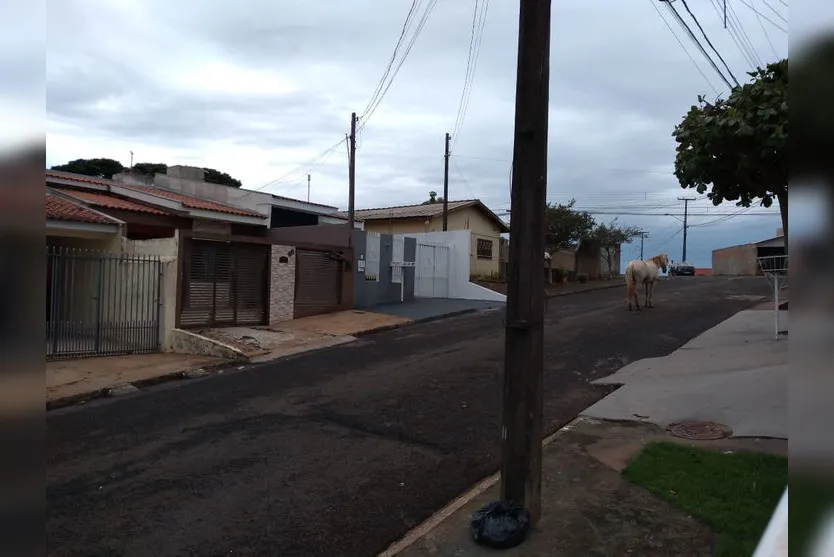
x: 742, y: 260
x: 584, y: 258
x: 485, y: 227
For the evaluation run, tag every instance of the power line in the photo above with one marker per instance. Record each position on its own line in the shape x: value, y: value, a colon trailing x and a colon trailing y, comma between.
x: 709, y: 42
x: 692, y: 36
x: 697, y: 67
x: 475, y: 39
x: 780, y: 16
x: 764, y: 17
x: 405, y: 26
x: 317, y: 161
x: 761, y: 24
x: 419, y: 29
x: 734, y: 19
x: 738, y: 35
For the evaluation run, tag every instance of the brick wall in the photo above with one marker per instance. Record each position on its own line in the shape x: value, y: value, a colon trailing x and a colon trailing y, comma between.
x: 282, y: 284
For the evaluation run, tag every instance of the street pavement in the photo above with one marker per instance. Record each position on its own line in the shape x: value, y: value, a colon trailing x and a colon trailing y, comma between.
x: 338, y: 452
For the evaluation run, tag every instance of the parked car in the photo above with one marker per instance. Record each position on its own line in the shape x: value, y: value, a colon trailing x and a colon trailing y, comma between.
x: 683, y: 269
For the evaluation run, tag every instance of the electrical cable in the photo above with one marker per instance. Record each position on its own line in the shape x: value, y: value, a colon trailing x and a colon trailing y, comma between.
x: 692, y: 36
x: 764, y: 17
x: 475, y: 41
x: 775, y: 11
x: 709, y: 42
x: 420, y: 25
x: 697, y: 67
x: 749, y: 53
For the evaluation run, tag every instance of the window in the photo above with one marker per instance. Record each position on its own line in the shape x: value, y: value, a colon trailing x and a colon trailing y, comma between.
x: 484, y: 249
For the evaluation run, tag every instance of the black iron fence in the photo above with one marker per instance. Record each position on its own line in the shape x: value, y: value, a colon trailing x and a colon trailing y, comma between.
x: 101, y: 303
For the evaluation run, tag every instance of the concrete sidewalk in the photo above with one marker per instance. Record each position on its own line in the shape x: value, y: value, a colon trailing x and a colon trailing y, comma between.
x: 735, y: 374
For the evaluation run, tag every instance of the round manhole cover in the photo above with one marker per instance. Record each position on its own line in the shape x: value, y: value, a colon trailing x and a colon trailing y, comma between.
x: 700, y: 430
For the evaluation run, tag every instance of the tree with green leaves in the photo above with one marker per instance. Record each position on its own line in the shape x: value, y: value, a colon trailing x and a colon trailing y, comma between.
x: 432, y: 199
x: 106, y: 168
x: 99, y: 168
x: 737, y: 146
x: 566, y: 226
x: 609, y: 237
x: 150, y: 168
x: 213, y: 176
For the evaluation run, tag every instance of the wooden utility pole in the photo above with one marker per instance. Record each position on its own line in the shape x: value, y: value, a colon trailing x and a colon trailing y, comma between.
x: 446, y: 185
x: 351, y: 176
x: 686, y: 201
x: 308, y: 188
x: 523, y: 358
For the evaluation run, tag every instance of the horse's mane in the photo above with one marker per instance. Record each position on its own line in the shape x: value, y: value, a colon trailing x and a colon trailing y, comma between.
x: 658, y: 259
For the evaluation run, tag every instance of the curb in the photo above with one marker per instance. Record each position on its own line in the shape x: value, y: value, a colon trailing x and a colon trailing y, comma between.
x: 140, y: 384
x: 428, y: 319
x: 606, y: 287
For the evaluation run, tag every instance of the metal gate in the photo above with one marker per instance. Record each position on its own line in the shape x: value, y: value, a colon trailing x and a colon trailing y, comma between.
x: 224, y: 284
x: 101, y: 303
x: 318, y: 283
x: 432, y: 271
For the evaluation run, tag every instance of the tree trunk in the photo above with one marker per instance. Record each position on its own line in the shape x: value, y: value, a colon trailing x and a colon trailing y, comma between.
x: 783, y: 210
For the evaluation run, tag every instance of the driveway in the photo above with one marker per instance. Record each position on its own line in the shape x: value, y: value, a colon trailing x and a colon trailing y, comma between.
x: 340, y: 451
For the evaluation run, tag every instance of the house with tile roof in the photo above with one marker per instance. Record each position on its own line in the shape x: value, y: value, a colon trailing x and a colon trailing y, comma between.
x: 129, y: 265
x: 484, y: 225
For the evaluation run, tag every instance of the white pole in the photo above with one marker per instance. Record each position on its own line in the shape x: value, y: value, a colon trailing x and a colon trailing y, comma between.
x: 776, y: 302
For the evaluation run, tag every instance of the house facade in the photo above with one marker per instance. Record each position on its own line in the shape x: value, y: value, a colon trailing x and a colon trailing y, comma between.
x: 484, y: 226
x: 130, y: 263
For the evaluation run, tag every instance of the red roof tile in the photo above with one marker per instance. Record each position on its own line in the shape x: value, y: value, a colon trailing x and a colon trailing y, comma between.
x: 186, y: 200
x: 59, y: 208
x: 112, y: 202
x: 194, y: 202
x: 80, y: 178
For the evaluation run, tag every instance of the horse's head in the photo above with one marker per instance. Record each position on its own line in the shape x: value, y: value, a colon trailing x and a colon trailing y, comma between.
x: 662, y: 261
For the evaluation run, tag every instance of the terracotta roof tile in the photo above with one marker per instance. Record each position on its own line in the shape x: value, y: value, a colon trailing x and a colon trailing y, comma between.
x: 59, y: 208
x: 418, y: 211
x: 186, y: 200
x: 194, y: 202
x: 112, y: 202
x: 80, y: 178
x: 407, y: 211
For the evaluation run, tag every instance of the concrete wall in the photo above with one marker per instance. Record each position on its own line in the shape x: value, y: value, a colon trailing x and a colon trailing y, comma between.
x: 480, y: 227
x: 335, y: 235
x: 469, y: 219
x: 399, y: 226
x: 735, y: 261
x: 282, y: 284
x: 459, y: 242
x: 369, y: 293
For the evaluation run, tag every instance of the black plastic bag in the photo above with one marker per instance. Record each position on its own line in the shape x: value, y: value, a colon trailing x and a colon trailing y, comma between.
x: 500, y: 525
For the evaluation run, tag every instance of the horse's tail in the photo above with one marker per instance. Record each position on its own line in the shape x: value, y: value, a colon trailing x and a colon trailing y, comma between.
x: 629, y: 278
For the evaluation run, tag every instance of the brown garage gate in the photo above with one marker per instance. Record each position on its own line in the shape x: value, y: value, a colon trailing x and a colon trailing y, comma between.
x: 318, y: 283
x: 224, y: 284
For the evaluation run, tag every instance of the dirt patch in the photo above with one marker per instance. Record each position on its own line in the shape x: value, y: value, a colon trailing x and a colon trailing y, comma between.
x: 260, y: 344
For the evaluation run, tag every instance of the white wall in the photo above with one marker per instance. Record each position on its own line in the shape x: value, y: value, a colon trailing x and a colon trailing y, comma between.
x: 459, y: 243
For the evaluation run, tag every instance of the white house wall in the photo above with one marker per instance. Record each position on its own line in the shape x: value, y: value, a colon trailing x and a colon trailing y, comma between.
x: 459, y: 243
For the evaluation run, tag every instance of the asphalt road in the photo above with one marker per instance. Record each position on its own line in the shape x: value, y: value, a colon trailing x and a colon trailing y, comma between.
x: 341, y: 451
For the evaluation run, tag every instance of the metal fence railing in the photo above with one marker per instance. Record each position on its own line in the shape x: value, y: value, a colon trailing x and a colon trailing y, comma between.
x: 101, y: 303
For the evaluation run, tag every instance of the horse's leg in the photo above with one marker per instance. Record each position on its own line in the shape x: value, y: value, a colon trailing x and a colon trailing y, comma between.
x: 651, y: 294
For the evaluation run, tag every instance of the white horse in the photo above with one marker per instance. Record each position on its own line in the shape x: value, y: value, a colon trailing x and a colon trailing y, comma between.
x: 645, y: 272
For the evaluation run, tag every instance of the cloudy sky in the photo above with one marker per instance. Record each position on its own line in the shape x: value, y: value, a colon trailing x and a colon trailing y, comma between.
x: 262, y: 89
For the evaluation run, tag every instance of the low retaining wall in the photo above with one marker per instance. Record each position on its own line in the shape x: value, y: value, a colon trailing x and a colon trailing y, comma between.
x: 186, y: 342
